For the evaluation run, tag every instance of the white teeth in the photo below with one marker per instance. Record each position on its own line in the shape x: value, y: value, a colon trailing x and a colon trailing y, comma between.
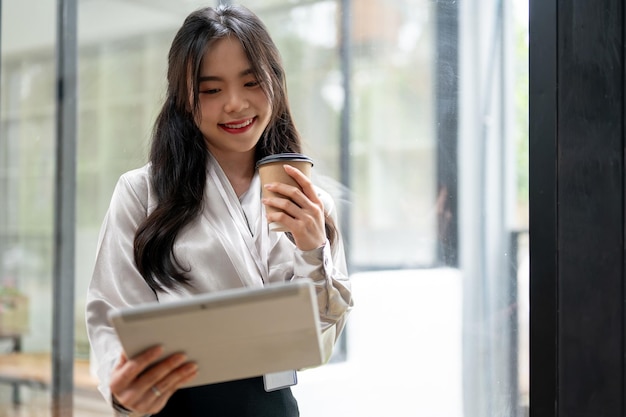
x: 240, y: 125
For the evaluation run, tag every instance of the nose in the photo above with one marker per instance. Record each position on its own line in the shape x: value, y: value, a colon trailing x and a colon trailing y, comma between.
x: 236, y: 101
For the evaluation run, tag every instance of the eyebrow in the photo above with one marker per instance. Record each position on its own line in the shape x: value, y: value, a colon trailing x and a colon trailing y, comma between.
x: 204, y: 78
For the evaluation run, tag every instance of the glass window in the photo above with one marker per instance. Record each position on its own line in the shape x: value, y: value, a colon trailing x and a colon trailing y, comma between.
x: 415, y: 112
x: 27, y: 161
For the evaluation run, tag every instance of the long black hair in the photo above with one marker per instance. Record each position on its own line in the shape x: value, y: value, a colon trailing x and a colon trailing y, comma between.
x: 179, y: 154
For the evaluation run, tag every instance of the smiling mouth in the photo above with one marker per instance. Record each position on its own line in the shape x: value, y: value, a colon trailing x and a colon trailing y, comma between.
x: 238, y: 125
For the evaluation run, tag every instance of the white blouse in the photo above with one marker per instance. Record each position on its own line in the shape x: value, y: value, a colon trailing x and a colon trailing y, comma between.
x: 227, y: 246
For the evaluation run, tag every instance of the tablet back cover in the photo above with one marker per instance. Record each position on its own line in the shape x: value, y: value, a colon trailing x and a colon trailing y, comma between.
x: 231, y: 334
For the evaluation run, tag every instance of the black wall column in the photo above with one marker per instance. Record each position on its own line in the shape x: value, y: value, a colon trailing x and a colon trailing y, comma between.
x: 577, y: 208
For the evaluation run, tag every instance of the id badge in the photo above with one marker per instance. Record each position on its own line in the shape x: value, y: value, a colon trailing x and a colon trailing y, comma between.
x: 279, y: 380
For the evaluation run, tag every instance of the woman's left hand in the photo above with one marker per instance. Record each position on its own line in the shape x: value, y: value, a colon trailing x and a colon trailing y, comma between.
x: 302, y: 212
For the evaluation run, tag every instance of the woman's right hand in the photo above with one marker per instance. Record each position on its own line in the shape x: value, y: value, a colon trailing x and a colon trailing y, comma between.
x: 143, y: 387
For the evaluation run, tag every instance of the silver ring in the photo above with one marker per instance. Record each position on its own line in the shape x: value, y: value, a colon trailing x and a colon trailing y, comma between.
x: 156, y: 391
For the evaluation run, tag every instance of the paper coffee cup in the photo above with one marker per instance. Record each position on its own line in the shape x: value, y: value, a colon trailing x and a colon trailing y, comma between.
x: 271, y: 170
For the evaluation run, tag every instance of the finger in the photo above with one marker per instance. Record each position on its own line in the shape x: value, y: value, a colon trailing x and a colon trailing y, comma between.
x: 129, y: 369
x: 176, y: 379
x: 304, y: 182
x: 161, y: 372
x: 294, y: 203
x: 281, y: 201
x: 123, y: 359
x: 306, y: 226
x: 154, y: 399
x: 297, y: 220
x: 293, y: 194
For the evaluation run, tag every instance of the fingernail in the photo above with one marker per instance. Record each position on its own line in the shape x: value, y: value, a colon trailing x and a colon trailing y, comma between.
x: 180, y: 358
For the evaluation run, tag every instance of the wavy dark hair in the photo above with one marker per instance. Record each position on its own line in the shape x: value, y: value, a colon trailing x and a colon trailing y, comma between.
x: 179, y: 154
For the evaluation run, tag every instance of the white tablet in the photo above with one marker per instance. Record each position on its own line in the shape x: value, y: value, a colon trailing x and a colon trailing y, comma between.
x: 232, y: 334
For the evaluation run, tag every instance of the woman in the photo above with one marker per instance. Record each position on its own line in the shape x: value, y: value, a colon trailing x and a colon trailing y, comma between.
x: 192, y: 219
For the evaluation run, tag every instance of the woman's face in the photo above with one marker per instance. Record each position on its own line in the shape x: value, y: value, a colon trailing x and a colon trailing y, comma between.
x: 234, y: 110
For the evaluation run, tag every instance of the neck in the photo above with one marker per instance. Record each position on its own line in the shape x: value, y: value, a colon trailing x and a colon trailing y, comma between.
x: 239, y: 169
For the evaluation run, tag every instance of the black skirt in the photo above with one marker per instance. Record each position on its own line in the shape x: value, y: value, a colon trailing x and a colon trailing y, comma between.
x: 242, y: 398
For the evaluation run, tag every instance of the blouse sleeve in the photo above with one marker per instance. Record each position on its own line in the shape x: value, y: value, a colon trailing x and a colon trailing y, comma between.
x: 326, y: 266
x: 116, y: 281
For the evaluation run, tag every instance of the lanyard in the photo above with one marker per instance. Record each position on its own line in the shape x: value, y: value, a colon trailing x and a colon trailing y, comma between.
x: 238, y: 216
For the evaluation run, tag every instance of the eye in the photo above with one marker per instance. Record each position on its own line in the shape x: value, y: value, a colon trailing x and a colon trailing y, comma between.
x: 209, y: 91
x: 253, y: 83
